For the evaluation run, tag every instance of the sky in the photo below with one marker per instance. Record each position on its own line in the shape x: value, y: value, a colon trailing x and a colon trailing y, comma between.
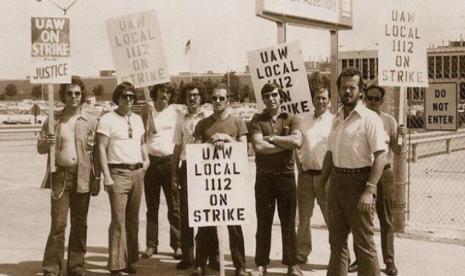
x: 221, y: 31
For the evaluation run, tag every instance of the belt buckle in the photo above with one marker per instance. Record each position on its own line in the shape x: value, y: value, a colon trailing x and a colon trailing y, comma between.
x: 132, y: 167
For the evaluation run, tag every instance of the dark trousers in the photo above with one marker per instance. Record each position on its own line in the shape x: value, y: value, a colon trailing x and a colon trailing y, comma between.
x: 384, y: 205
x: 187, y: 233
x: 158, y: 176
x: 124, y: 227
x: 207, y: 245
x: 343, y: 216
x: 269, y: 190
x: 66, y: 197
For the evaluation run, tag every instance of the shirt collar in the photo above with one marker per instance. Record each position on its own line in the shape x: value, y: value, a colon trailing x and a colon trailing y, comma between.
x: 282, y: 115
x: 359, y: 108
x: 196, y: 115
x: 82, y: 114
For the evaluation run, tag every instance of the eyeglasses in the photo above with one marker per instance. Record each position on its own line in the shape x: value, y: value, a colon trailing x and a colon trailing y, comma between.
x: 373, y: 99
x: 127, y: 96
x: 194, y: 95
x: 220, y: 98
x: 272, y: 94
x: 73, y: 94
x: 129, y: 127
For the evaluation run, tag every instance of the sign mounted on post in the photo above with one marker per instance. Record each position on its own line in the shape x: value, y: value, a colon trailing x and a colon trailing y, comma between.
x: 330, y: 14
x: 282, y: 64
x: 441, y: 112
x: 402, y: 46
x: 219, y: 189
x: 137, y: 49
x: 50, y: 50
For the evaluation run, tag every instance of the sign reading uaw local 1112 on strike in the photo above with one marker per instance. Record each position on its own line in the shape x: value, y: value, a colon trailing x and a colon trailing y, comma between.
x: 50, y: 50
x: 137, y: 49
x: 402, y: 46
x: 283, y: 65
x: 218, y: 185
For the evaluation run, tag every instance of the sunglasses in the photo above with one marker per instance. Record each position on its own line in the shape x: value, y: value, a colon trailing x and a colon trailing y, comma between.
x: 127, y: 96
x: 129, y: 128
x: 272, y: 95
x: 220, y: 98
x: 73, y: 93
x: 373, y: 99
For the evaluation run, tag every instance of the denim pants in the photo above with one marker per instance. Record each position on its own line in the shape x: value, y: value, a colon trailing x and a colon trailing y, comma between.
x: 272, y: 190
x: 309, y: 189
x: 158, y: 176
x: 343, y: 216
x: 124, y: 227
x: 64, y: 197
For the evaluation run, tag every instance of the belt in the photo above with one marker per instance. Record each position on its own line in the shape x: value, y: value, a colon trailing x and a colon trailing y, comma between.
x: 131, y: 167
x: 286, y: 173
x: 351, y: 171
x: 73, y: 169
x: 387, y: 166
x: 154, y: 158
x: 312, y: 172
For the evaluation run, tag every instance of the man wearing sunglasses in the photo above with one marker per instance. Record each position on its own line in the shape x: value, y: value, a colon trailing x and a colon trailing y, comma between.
x: 275, y: 136
x: 161, y: 120
x: 355, y: 161
x: 75, y: 178
x: 310, y: 161
x: 123, y: 159
x: 218, y: 129
x: 385, y: 188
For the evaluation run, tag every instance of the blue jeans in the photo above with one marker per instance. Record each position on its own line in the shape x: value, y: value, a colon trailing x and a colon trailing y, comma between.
x: 65, y: 197
x: 124, y: 228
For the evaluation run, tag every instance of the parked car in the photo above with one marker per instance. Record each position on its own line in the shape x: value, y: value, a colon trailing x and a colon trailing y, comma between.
x: 13, y: 117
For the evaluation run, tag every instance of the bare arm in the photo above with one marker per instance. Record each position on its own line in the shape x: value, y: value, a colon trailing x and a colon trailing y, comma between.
x: 175, y: 160
x: 292, y: 141
x: 261, y: 146
x: 327, y: 167
x: 102, y: 144
x: 143, y: 151
x: 366, y: 199
x: 45, y: 140
x: 396, y: 148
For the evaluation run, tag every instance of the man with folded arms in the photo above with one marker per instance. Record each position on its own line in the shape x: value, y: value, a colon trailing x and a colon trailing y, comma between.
x: 355, y: 160
x: 123, y: 160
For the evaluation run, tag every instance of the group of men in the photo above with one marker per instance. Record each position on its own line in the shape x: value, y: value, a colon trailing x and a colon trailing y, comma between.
x: 341, y: 162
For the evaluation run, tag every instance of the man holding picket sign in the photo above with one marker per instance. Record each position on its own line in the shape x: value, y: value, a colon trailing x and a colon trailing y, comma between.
x: 218, y: 129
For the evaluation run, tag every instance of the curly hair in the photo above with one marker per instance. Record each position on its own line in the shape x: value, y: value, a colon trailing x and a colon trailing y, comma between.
x: 75, y: 80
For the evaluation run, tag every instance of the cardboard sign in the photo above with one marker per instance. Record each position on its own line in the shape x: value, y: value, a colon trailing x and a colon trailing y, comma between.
x: 402, y: 46
x: 137, y: 49
x: 218, y: 185
x: 50, y: 50
x: 441, y: 112
x: 282, y: 64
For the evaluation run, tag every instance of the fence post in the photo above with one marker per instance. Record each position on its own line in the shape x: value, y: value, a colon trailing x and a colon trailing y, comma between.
x: 448, y: 148
x: 400, y: 166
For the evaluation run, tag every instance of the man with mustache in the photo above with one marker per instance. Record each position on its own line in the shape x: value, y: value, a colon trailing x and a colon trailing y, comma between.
x: 161, y: 120
x: 355, y: 160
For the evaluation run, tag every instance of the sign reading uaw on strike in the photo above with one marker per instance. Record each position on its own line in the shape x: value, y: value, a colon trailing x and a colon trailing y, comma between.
x: 402, y: 46
x: 137, y: 49
x: 50, y: 50
x: 218, y: 185
x: 282, y: 64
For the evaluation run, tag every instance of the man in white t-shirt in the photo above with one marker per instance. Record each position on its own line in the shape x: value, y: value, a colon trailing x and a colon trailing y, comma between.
x: 123, y: 160
x: 310, y: 161
x: 161, y: 119
x: 385, y: 188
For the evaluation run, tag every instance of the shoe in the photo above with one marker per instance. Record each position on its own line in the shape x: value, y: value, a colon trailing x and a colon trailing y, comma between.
x: 391, y: 269
x: 130, y: 270
x: 259, y: 271
x: 214, y: 264
x: 78, y: 273
x: 301, y: 261
x: 116, y: 273
x: 184, y: 265
x: 294, y: 270
x: 149, y: 252
x: 177, y: 254
x: 353, y: 267
x: 198, y: 271
x: 240, y: 271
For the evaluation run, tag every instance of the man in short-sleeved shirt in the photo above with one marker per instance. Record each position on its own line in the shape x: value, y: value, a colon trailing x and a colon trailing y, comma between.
x: 355, y: 160
x: 275, y: 136
x: 219, y: 128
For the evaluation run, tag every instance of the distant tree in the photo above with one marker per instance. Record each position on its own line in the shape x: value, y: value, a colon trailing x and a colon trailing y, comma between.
x: 98, y: 90
x: 11, y: 90
x: 36, y: 92
x: 2, y: 97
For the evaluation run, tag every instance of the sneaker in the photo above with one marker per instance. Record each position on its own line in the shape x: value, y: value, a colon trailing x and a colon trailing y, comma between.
x: 259, y: 271
x: 177, y: 254
x: 184, y: 265
x: 353, y: 267
x: 294, y: 270
x: 391, y: 269
x: 149, y: 252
